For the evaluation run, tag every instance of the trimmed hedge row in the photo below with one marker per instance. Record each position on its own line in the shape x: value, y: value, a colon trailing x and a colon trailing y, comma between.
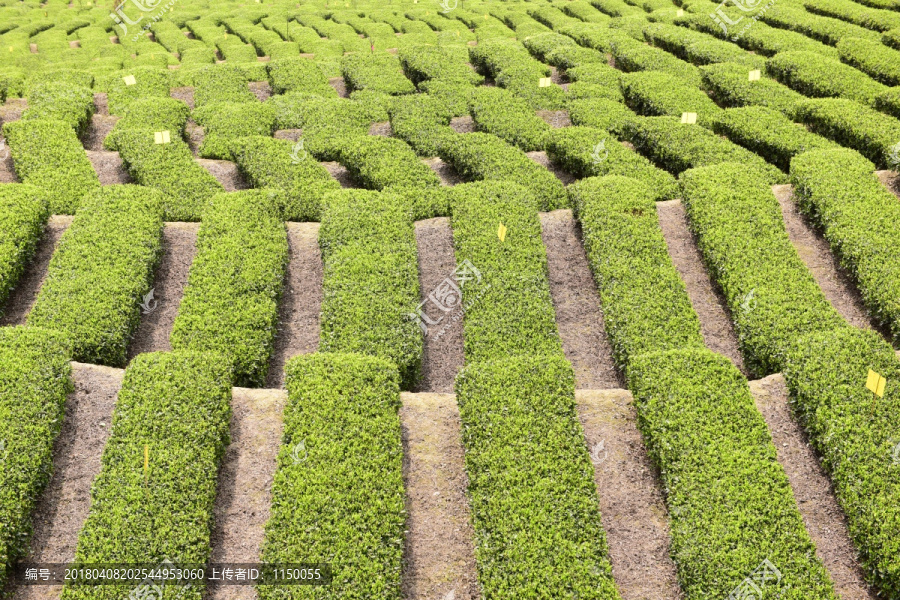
x: 627, y: 252
x: 170, y: 168
x: 730, y: 502
x: 499, y: 112
x: 221, y: 83
x: 538, y: 530
x: 377, y: 162
x: 34, y: 381
x: 869, y: 132
x: 824, y: 29
x: 24, y: 211
x: 338, y: 494
x: 175, y: 407
x: 379, y: 72
x: 768, y: 133
x: 871, y: 57
x: 150, y: 82
x: 513, y: 68
x: 61, y: 102
x: 756, y: 37
x: 421, y: 63
x: 889, y: 102
x: 225, y: 122
x: 590, y: 152
x: 47, y: 153
x: 653, y: 93
x: 269, y: 163
x: 837, y: 189
x: 632, y: 55
x: 729, y: 85
x: 421, y: 120
x: 698, y: 48
x: 479, y: 156
x: 856, y: 438
x: 601, y: 113
x: 298, y: 75
x: 230, y: 303
x: 599, y: 75
x: 816, y: 76
x: 371, y: 280
x: 508, y: 310
x: 677, y: 147
x: 155, y: 114
x: 870, y: 18
x: 101, y: 270
x: 740, y: 231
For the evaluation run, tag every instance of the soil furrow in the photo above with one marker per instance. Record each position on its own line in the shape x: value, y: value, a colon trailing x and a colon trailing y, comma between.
x: 109, y: 167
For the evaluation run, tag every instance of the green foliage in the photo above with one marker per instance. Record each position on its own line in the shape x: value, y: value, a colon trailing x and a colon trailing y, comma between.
x: 632, y: 55
x: 230, y: 303
x: 221, y: 83
x: 498, y: 111
x: 740, y: 231
x: 824, y: 29
x: 271, y: 163
x: 816, y: 76
x: 298, y: 74
x: 371, y: 279
x: 170, y: 168
x: 653, y: 93
x: 538, y: 530
x: 889, y: 102
x: 856, y: 437
x: 60, y: 102
x: 768, y: 133
x: 871, y: 57
x: 837, y: 189
x: 645, y: 304
x: 729, y: 84
x: 155, y: 114
x: 454, y: 94
x: 379, y: 71
x: 480, y: 156
x: 698, y: 48
x: 870, y: 18
x: 376, y: 162
x: 421, y: 120
x: 338, y: 494
x: 601, y: 113
x: 869, y: 132
x: 676, y: 147
x: 227, y: 121
x: 508, y: 310
x: 47, y: 153
x: 729, y: 499
x: 101, y: 271
x: 513, y: 67
x: 422, y: 63
x: 24, y: 211
x: 34, y: 381
x: 590, y: 152
x: 756, y: 37
x: 149, y: 82
x: 176, y: 405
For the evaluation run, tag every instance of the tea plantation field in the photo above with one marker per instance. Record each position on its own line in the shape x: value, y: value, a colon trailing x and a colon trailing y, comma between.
x: 450, y: 299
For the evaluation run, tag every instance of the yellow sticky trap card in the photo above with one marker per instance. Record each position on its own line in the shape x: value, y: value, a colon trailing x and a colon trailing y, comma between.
x: 679, y: 12
x: 689, y: 118
x: 875, y: 383
x: 129, y: 80
x: 162, y: 137
x: 545, y: 82
x: 755, y: 75
x: 501, y: 232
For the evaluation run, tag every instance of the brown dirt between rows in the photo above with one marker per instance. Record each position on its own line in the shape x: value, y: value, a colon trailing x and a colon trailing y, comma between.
x: 443, y: 353
x: 383, y: 129
x: 194, y: 135
x: 340, y: 86
x: 439, y: 556
x: 65, y: 502
x: 26, y: 290
x: 12, y: 110
x: 288, y: 134
x: 244, y: 484
x: 179, y: 248
x: 706, y: 298
x: 890, y: 180
x: 340, y: 173
x: 631, y: 503
x: 579, y: 316
x: 445, y: 171
x: 812, y: 489
x: 226, y: 173
x: 542, y: 159
x: 261, y: 89
x: 464, y: 124
x: 185, y: 94
x: 555, y: 118
x: 7, y: 168
x: 815, y: 252
x: 109, y: 167
x: 298, y: 319
x: 97, y: 130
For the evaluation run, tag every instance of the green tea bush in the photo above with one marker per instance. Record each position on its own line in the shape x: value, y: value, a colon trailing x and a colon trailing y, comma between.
x: 47, y: 153
x: 871, y: 57
x: 592, y: 152
x: 729, y: 85
x: 676, y: 147
x: 855, y: 436
x: 837, y: 189
x: 498, y: 111
x: 869, y: 132
x: 768, y: 133
x: 888, y: 102
x: 100, y: 272
x: 698, y: 48
x: 371, y: 280
x: 155, y: 114
x: 60, y: 102
x: 380, y: 72
x: 422, y: 63
x: 24, y: 210
x: 819, y: 77
x: 338, y: 494
x: 536, y: 522
x: 870, y: 18
x: 35, y: 378
x: 508, y: 309
x: 478, y: 156
x: 149, y: 82
x: 221, y: 83
x: 227, y: 121
x: 824, y: 29
x: 272, y: 163
x: 175, y: 407
x: 653, y: 93
x: 454, y: 94
x: 230, y: 303
x: 645, y: 303
x: 740, y: 231
x: 376, y: 162
x: 421, y: 120
x: 760, y: 38
x: 298, y: 75
x: 632, y: 55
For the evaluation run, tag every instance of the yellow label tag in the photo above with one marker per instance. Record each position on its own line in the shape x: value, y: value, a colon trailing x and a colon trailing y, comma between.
x: 501, y: 232
x: 754, y: 75
x: 129, y: 80
x: 146, y: 458
x: 875, y: 383
x: 679, y: 12
x: 545, y: 82
x: 10, y: 48
x: 689, y: 118
x: 162, y: 137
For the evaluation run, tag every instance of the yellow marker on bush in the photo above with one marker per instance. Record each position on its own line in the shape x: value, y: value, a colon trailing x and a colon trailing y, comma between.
x: 545, y: 82
x: 689, y: 118
x: 754, y: 75
x: 129, y: 80
x: 162, y: 137
x: 875, y: 383
x: 501, y: 232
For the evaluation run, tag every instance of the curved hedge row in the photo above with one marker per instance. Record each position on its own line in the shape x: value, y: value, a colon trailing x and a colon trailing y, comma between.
x: 816, y: 76
x: 24, y: 211
x: 729, y: 85
x: 499, y: 112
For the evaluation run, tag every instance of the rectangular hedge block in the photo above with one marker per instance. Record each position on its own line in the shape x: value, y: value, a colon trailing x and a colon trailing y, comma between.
x: 24, y: 212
